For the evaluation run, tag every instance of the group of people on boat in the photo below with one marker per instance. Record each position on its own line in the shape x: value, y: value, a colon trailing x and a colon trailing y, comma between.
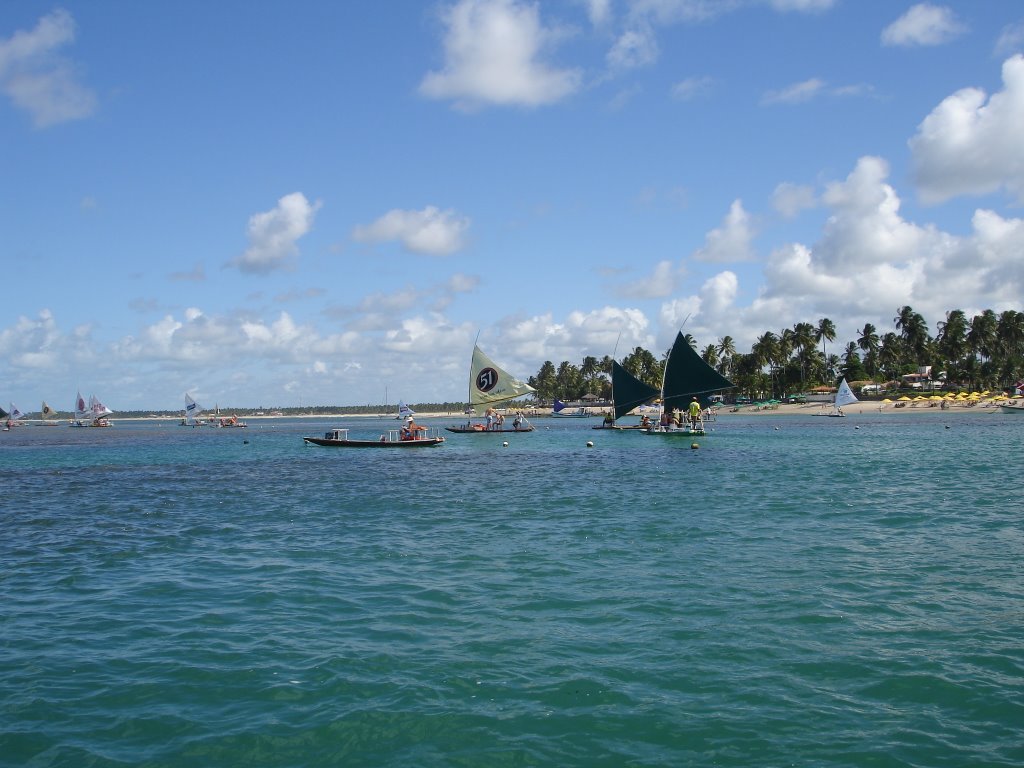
x: 693, y: 417
x: 495, y: 421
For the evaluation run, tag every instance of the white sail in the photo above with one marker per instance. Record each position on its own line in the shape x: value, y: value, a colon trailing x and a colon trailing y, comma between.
x: 192, y: 409
x: 14, y: 414
x: 489, y: 384
x: 845, y: 395
x: 404, y: 411
x: 79, y: 405
x: 47, y: 412
x: 97, y: 410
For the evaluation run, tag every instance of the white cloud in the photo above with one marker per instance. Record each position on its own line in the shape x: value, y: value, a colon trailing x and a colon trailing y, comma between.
x: 430, y: 231
x: 798, y: 93
x: 273, y: 234
x: 732, y: 240
x: 636, y: 47
x: 658, y: 285
x: 1011, y: 39
x: 969, y: 147
x: 598, y: 11
x: 790, y: 199
x: 923, y: 24
x: 691, y: 87
x: 493, y: 56
x: 37, y: 79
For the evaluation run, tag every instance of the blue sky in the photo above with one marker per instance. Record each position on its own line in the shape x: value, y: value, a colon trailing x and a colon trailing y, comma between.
x: 315, y: 202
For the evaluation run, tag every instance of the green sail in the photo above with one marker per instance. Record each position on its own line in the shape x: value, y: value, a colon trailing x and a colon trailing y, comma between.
x: 628, y: 391
x: 688, y: 376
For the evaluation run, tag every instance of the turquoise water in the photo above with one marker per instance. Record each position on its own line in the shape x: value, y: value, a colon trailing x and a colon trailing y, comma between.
x: 796, y: 591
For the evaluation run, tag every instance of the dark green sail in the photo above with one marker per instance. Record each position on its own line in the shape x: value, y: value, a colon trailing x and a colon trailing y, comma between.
x: 628, y: 391
x: 688, y: 376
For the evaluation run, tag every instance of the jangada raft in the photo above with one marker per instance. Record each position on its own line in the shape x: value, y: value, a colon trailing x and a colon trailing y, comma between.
x: 416, y: 437
x: 489, y: 385
x: 687, y: 377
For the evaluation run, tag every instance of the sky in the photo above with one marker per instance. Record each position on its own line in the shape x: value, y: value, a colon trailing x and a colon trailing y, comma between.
x: 314, y: 202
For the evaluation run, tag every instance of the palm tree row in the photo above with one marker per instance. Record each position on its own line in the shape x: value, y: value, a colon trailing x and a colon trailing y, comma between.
x: 985, y: 351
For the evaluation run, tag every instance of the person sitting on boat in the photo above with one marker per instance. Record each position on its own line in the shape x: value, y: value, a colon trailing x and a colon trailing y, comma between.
x: 694, y: 412
x: 609, y: 419
x: 518, y: 423
x: 405, y: 434
x: 413, y: 429
x: 645, y: 420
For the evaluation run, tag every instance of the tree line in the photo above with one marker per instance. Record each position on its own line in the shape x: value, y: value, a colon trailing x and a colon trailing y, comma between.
x: 985, y: 351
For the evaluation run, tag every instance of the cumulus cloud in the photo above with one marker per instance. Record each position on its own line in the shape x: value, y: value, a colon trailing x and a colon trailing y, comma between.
x: 732, y: 240
x: 790, y: 199
x: 40, y: 81
x: 493, y: 56
x: 430, y: 231
x: 923, y: 24
x: 1011, y: 39
x: 660, y: 283
x: 273, y: 234
x: 970, y: 146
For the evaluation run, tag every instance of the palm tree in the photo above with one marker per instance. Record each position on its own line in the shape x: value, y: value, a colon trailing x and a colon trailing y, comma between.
x: 766, y: 352
x: 803, y: 338
x: 868, y: 343
x: 726, y: 352
x: 826, y: 330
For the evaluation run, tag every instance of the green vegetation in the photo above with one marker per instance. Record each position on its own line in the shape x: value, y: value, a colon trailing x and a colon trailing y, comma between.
x: 982, y: 352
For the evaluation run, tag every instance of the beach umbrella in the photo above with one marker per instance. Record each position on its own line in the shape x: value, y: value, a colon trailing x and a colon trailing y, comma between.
x: 886, y: 400
x: 935, y: 397
x: 904, y: 399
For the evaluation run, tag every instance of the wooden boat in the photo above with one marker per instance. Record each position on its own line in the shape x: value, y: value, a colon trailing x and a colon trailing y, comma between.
x: 687, y: 376
x: 489, y: 385
x: 474, y: 428
x: 1011, y: 408
x: 420, y: 437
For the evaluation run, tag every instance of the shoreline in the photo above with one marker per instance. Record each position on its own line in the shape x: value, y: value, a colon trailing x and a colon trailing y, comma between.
x: 782, y: 409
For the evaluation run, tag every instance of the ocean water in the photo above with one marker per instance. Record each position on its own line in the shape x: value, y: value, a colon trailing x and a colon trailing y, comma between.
x: 795, y: 591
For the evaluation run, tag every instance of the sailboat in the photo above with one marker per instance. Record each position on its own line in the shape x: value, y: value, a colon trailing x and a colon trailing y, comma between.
x: 98, y: 412
x: 49, y: 416
x: 844, y: 396
x: 14, y: 417
x: 192, y: 412
x: 404, y: 411
x: 628, y: 392
x: 687, y: 377
x: 561, y: 410
x: 79, y: 412
x: 490, y: 385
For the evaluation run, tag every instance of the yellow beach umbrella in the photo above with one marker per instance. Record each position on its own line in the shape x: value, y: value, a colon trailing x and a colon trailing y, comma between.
x: 904, y: 399
x: 886, y: 400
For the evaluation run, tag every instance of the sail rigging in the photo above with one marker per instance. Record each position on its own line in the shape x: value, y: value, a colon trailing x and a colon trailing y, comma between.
x: 628, y: 392
x: 489, y: 384
x: 687, y: 375
x: 192, y: 409
x: 844, y: 395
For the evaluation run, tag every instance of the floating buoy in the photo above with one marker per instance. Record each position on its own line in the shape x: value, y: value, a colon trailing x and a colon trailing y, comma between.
x: 245, y: 442
x: 694, y: 446
x: 505, y: 444
x: 590, y: 444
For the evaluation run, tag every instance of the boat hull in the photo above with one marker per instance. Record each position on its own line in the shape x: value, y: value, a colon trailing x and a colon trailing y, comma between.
x: 1012, y: 408
x: 425, y: 442
x: 473, y: 431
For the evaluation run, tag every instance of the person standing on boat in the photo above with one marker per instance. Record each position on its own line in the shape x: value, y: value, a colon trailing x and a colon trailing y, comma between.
x: 694, y: 412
